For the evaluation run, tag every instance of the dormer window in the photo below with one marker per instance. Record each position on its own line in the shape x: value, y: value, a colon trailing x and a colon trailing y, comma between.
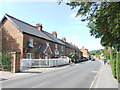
x: 31, y: 42
x: 56, y: 47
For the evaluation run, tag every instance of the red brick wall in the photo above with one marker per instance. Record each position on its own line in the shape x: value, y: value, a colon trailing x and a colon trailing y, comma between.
x: 0, y: 40
x: 12, y: 38
x: 37, y: 41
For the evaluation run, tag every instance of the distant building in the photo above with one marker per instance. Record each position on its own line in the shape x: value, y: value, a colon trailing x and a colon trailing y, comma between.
x: 85, y: 52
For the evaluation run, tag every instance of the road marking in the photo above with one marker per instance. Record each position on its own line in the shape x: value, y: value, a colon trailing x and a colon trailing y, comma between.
x: 41, y: 84
x: 91, y: 86
x: 98, y: 79
x: 94, y: 71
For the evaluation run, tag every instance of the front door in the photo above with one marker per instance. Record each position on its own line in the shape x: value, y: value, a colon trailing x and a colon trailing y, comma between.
x: 46, y: 56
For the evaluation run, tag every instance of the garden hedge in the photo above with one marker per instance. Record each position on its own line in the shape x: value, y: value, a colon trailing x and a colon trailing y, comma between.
x: 5, y: 61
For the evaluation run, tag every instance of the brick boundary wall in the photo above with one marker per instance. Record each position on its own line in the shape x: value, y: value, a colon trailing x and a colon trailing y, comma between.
x: 15, y: 62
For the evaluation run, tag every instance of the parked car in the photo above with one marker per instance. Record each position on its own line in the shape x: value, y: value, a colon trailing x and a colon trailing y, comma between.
x: 85, y: 59
x: 92, y: 59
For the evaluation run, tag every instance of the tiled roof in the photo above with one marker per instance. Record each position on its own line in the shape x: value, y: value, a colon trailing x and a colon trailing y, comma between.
x: 41, y: 49
x: 67, y: 44
x: 27, y: 28
x: 54, y: 38
x: 32, y: 30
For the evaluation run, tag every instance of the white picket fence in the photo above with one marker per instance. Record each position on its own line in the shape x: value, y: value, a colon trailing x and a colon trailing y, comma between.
x: 29, y: 63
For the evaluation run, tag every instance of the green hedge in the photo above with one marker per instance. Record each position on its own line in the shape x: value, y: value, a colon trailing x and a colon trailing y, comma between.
x: 115, y: 64
x: 5, y: 61
x: 118, y: 66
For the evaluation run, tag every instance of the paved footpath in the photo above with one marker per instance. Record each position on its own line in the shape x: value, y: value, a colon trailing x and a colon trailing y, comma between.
x: 105, y: 78
x: 5, y: 75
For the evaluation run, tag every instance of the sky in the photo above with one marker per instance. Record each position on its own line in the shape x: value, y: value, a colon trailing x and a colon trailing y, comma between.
x: 53, y: 17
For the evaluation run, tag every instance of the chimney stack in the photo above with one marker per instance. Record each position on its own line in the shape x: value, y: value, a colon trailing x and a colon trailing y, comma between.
x: 64, y: 39
x: 71, y: 43
x: 39, y: 27
x: 54, y: 34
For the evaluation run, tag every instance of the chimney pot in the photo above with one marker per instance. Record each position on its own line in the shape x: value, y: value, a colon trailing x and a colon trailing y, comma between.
x: 54, y: 34
x: 39, y: 27
x: 64, y: 39
x: 71, y: 43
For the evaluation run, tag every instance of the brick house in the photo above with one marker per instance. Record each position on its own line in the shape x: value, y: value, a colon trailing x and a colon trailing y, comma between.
x: 32, y: 41
x: 0, y: 40
x: 85, y: 52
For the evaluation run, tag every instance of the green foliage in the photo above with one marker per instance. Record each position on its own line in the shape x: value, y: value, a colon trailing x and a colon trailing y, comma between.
x: 93, y: 53
x: 113, y: 65
x: 118, y: 66
x: 5, y: 61
x: 96, y: 53
x: 103, y: 20
x: 74, y: 57
x: 107, y: 55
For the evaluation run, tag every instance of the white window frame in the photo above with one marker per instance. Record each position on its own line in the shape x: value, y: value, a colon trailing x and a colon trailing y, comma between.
x: 56, y: 52
x: 31, y: 42
x: 31, y: 57
x: 56, y: 46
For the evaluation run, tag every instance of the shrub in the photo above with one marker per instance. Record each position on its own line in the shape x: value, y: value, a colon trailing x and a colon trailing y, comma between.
x: 118, y: 66
x: 5, y: 61
x: 113, y: 64
x: 74, y: 57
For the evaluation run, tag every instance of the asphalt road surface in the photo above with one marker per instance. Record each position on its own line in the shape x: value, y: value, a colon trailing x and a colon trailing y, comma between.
x: 80, y: 75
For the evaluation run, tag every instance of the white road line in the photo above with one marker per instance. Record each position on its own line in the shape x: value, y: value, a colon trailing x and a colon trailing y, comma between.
x: 91, y: 86
x: 98, y: 79
x: 94, y: 71
x: 41, y: 84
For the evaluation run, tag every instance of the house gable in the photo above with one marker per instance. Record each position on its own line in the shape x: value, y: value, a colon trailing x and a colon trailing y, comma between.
x: 12, y: 38
x: 48, y: 48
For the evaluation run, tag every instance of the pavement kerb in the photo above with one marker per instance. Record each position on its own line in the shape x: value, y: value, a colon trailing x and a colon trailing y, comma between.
x: 30, y: 74
x: 17, y: 77
x: 93, y: 85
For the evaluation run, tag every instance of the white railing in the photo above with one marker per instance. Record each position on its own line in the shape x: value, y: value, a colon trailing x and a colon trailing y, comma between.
x: 29, y: 63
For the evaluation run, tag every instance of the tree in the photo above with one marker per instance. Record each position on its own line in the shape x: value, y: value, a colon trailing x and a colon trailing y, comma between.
x: 96, y: 53
x: 74, y: 57
x: 103, y: 20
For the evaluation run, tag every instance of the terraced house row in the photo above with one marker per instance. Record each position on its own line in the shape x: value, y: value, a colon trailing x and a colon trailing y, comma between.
x: 32, y: 41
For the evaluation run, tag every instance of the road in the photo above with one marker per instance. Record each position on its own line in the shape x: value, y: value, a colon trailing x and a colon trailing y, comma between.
x: 80, y: 75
